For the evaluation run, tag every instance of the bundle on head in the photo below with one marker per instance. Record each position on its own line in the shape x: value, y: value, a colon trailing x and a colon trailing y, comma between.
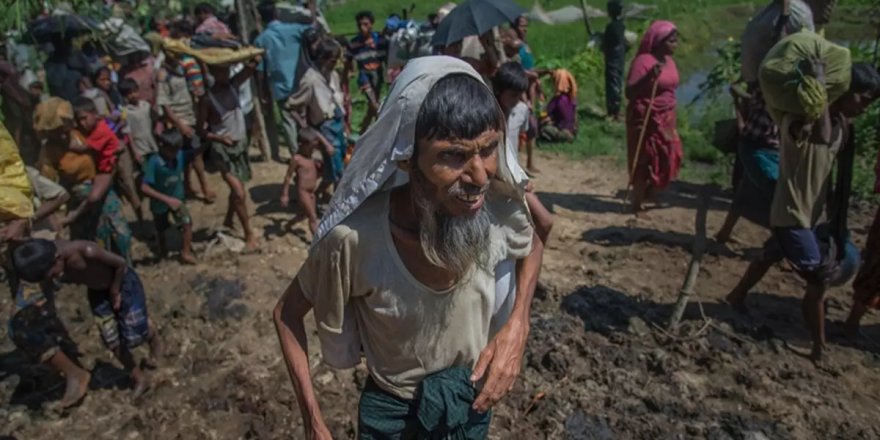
x: 789, y: 85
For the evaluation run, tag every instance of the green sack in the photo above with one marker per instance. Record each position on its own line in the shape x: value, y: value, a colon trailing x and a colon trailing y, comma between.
x: 787, y: 90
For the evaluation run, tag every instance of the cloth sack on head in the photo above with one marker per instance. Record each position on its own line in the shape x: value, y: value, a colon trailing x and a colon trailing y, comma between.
x: 391, y: 138
x: 121, y: 39
x: 787, y: 89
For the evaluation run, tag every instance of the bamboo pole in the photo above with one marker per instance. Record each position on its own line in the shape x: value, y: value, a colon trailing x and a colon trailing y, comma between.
x: 690, y: 280
x: 586, y: 20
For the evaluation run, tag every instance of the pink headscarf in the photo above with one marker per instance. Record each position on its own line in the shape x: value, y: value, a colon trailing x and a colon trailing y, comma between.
x: 656, y: 33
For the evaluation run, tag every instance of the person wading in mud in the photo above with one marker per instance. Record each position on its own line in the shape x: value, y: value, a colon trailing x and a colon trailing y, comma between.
x: 409, y: 264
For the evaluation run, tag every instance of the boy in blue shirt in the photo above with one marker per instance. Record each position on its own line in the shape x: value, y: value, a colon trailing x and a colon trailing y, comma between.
x: 163, y: 184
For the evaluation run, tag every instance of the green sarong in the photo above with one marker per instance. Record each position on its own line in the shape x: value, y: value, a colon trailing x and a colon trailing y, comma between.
x: 441, y: 410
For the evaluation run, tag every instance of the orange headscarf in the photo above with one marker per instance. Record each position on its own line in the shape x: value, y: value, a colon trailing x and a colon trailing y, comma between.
x: 563, y: 82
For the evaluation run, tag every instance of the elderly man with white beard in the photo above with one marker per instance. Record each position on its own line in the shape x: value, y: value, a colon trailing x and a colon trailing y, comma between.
x: 426, y: 260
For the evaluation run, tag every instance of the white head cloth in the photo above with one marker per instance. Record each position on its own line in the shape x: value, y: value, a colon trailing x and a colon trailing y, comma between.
x: 390, y: 139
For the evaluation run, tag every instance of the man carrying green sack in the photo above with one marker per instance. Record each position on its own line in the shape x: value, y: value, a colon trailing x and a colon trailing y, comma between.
x: 808, y: 216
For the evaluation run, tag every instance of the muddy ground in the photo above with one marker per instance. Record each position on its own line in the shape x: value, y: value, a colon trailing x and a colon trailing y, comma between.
x: 595, y: 367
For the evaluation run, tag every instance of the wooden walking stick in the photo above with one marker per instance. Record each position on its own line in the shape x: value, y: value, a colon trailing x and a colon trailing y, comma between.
x: 632, y: 171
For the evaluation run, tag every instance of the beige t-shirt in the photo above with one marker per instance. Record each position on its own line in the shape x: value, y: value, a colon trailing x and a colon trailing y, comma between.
x: 805, y: 170
x: 316, y: 96
x: 364, y: 296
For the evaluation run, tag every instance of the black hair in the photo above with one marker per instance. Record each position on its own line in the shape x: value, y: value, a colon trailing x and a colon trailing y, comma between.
x: 328, y: 48
x: 203, y: 8
x: 127, y: 86
x: 459, y: 106
x: 83, y: 104
x: 267, y: 10
x: 615, y: 8
x: 171, y: 138
x: 365, y: 14
x: 182, y: 28
x: 511, y: 76
x: 33, y: 259
x: 865, y: 79
x: 98, y: 73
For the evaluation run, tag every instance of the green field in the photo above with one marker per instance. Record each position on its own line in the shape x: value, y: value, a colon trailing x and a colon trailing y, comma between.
x: 705, y: 26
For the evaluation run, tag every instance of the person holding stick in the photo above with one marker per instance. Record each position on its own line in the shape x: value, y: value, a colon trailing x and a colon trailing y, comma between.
x: 654, y: 150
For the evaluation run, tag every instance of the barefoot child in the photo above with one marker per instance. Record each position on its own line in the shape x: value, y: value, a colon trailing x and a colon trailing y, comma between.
x: 221, y: 122
x: 306, y: 179
x: 115, y: 292
x: 163, y: 184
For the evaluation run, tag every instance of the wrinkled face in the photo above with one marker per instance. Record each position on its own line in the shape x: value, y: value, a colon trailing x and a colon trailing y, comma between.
x: 103, y: 81
x: 365, y: 26
x: 87, y: 121
x: 456, y: 173
x: 508, y: 99
x: 669, y: 45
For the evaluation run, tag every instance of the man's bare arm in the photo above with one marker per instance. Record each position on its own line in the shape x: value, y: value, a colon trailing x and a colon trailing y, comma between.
x: 288, y: 316
x: 502, y: 358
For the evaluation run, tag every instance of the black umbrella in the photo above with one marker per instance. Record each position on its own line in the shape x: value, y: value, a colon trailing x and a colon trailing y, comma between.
x: 46, y: 29
x: 475, y: 17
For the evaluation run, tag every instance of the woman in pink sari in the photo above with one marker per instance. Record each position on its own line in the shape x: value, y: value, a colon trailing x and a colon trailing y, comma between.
x: 660, y: 156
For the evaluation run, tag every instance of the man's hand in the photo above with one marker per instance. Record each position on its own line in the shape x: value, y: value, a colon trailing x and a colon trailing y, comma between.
x: 319, y: 432
x: 186, y: 131
x: 285, y: 200
x: 115, y: 299
x: 502, y: 358
x: 174, y: 204
x: 227, y: 140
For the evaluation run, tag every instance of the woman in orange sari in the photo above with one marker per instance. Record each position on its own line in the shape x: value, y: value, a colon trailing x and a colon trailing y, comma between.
x: 650, y: 89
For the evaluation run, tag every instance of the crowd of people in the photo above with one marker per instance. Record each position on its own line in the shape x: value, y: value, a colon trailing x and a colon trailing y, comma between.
x: 427, y: 201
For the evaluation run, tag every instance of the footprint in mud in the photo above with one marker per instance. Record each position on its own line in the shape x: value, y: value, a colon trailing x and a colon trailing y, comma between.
x: 222, y: 298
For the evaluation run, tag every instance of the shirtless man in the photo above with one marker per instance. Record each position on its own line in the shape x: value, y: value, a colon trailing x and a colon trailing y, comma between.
x: 306, y: 172
x: 116, y: 294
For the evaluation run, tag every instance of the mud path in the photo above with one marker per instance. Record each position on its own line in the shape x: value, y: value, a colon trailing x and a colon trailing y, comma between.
x: 595, y: 368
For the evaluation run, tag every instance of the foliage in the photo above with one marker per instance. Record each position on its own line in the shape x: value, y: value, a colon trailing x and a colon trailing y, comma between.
x: 724, y: 72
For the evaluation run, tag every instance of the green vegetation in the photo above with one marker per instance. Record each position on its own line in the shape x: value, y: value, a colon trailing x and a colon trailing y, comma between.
x: 707, y: 59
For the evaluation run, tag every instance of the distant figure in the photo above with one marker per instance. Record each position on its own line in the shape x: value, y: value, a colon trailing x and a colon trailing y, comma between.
x: 163, y: 184
x: 306, y: 172
x: 614, y: 49
x: 208, y: 23
x: 521, y: 27
x: 650, y: 88
x: 560, y: 124
x: 283, y: 44
x: 221, y: 122
x: 367, y: 49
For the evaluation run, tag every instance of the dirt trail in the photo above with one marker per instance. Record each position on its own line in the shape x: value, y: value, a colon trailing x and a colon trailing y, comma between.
x: 592, y: 354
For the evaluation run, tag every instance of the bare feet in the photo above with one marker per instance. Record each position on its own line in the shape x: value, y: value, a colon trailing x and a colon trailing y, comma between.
x: 210, y: 197
x: 229, y: 223
x: 142, y: 384
x: 76, y: 388
x: 187, y: 258
x: 252, y: 244
x: 737, y: 302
